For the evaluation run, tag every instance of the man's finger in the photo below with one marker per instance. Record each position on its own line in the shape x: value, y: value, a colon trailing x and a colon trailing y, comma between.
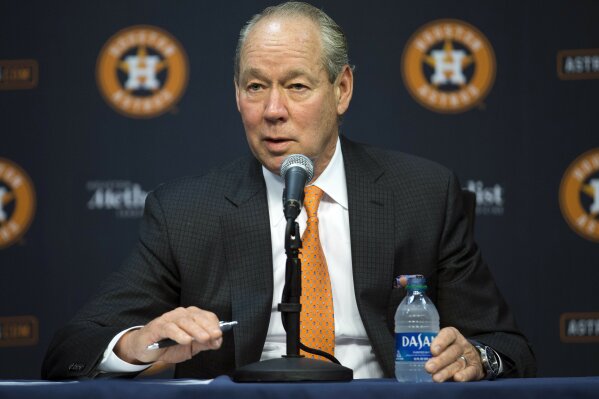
x: 470, y: 373
x: 197, y: 347
x: 445, y: 359
x: 450, y: 370
x: 174, y: 331
x: 195, y: 330
x: 209, y: 322
x: 444, y: 339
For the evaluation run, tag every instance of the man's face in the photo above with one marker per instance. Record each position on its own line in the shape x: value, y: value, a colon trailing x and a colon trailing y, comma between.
x: 287, y: 103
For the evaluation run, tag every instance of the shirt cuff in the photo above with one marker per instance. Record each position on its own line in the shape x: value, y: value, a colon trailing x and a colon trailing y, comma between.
x: 111, y: 363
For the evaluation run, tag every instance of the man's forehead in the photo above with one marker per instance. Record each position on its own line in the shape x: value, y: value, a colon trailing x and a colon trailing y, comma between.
x: 272, y: 30
x: 271, y: 26
x: 279, y: 23
x: 284, y: 37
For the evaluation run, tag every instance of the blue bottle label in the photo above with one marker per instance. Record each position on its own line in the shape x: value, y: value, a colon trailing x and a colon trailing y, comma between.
x: 413, y: 347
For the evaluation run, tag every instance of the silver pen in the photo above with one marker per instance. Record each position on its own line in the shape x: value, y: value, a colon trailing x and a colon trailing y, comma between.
x: 165, y: 343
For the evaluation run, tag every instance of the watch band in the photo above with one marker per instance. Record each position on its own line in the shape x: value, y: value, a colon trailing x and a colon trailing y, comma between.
x: 489, y: 360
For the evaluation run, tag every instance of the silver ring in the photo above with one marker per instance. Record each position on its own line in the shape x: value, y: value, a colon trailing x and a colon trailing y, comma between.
x: 464, y: 359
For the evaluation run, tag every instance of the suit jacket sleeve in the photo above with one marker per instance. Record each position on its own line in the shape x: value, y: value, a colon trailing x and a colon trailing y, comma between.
x: 203, y: 242
x: 146, y: 286
x: 466, y: 294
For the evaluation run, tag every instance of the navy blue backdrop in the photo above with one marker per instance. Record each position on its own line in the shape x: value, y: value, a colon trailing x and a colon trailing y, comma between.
x: 75, y: 163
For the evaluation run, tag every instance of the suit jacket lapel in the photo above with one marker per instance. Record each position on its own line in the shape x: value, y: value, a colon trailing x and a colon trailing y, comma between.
x: 371, y: 222
x: 249, y: 263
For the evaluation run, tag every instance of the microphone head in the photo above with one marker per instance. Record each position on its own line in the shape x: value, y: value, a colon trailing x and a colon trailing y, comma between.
x: 298, y: 160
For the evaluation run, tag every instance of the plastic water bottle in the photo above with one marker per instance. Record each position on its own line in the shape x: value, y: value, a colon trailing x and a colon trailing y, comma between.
x: 416, y: 325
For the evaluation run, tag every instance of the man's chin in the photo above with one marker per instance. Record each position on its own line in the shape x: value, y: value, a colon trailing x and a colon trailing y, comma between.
x: 273, y: 164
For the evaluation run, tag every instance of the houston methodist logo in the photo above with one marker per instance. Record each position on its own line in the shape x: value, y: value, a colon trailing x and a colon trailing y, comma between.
x: 448, y: 66
x: 579, y: 195
x: 125, y: 198
x: 17, y: 202
x: 142, y: 71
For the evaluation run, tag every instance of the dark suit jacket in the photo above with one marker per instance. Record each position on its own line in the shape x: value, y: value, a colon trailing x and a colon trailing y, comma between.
x: 205, y: 241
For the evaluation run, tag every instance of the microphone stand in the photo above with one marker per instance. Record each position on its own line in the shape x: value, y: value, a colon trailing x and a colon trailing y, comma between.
x: 292, y: 366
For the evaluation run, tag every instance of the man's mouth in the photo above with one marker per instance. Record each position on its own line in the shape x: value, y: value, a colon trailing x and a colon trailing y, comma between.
x: 276, y: 140
x: 277, y: 144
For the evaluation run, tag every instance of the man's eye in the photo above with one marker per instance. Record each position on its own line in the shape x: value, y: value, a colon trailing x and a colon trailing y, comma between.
x: 254, y: 87
x: 298, y: 86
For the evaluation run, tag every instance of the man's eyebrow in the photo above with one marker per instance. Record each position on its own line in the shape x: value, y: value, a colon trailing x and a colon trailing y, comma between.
x: 253, y: 73
x: 292, y: 74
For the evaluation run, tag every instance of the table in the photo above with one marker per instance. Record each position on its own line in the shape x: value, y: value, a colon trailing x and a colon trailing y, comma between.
x: 224, y: 388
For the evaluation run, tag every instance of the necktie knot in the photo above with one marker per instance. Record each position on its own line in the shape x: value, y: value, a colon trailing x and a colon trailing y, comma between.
x: 312, y: 197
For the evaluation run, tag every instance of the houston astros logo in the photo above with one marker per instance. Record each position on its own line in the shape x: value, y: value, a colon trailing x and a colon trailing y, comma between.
x: 579, y: 195
x: 142, y: 71
x: 448, y: 66
x: 17, y: 202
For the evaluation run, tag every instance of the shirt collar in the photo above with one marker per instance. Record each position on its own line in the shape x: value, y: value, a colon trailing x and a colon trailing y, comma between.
x: 331, y: 181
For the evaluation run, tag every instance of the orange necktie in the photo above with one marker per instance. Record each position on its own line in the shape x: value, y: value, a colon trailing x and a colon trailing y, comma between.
x: 317, y: 318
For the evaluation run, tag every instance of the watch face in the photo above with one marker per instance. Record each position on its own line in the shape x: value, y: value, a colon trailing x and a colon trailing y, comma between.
x: 492, y: 359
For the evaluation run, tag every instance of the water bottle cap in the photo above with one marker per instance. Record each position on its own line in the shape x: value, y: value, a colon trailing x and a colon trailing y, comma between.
x: 417, y: 283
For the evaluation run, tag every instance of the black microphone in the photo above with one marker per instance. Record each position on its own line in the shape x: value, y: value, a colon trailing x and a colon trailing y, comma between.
x: 297, y: 170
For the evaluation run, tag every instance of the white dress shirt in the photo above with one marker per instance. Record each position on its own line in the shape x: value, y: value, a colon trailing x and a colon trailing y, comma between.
x: 352, y: 346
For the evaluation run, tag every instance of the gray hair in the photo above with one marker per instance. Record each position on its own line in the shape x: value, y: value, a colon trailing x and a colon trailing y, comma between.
x: 334, y: 43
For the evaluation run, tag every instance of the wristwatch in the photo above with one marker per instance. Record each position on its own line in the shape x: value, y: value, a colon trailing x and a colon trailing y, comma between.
x: 489, y: 360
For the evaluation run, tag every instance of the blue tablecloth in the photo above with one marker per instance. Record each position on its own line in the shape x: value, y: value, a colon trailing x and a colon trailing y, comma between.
x: 224, y: 388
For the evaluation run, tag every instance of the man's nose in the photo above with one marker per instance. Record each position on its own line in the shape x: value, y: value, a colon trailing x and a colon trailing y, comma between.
x: 276, y: 106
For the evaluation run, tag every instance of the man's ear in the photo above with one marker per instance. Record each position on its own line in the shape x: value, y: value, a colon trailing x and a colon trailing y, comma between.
x: 344, y: 87
x: 236, y: 93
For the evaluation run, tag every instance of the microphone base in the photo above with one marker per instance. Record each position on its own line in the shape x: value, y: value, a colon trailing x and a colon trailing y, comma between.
x: 287, y: 369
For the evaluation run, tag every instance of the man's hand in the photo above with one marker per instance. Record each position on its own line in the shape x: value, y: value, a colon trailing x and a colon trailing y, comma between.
x: 194, y: 329
x: 454, y: 358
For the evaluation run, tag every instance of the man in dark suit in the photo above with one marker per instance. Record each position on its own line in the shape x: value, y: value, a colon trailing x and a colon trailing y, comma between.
x: 207, y: 250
